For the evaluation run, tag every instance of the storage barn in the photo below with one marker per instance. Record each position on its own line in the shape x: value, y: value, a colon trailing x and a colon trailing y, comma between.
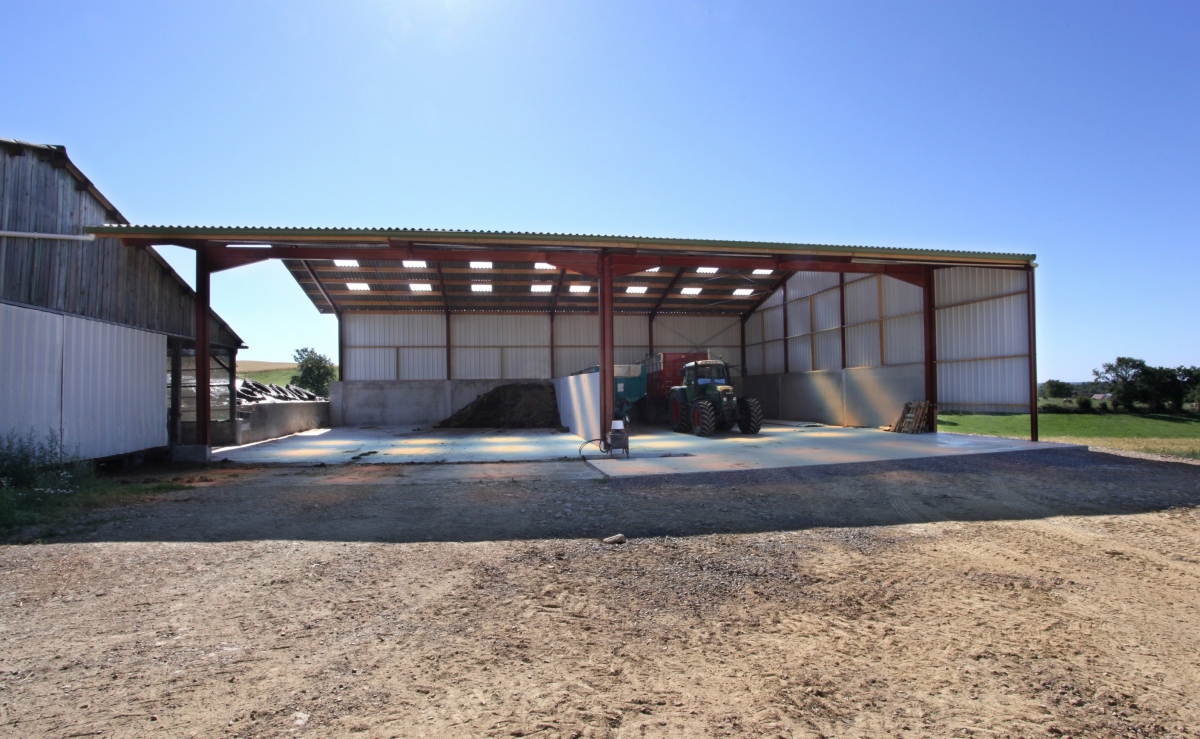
x: 843, y: 335
x: 96, y: 339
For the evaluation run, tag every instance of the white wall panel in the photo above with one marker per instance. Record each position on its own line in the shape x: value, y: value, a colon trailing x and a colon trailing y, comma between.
x: 31, y: 371
x: 384, y: 329
x: 113, y: 380
x: 803, y: 284
x: 754, y: 329
x: 994, y: 328
x: 628, y: 354
x: 476, y: 363
x: 856, y: 276
x: 960, y: 284
x: 481, y: 329
x: 996, y: 385
x: 422, y: 364
x: 800, y: 354
x: 577, y: 330
x: 827, y: 310
x: 370, y: 364
x: 900, y: 298
x: 772, y: 319
x: 697, y: 332
x: 862, y: 345
x: 862, y: 301
x: 799, y: 320
x: 569, y: 359
x: 525, y: 364
x: 773, y: 357
x: 754, y: 359
x: 631, y: 330
x: 776, y: 298
x: 904, y: 340
x: 828, y: 345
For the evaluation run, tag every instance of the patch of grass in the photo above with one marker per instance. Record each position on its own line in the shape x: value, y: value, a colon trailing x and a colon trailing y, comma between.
x: 1176, y: 435
x: 40, y: 483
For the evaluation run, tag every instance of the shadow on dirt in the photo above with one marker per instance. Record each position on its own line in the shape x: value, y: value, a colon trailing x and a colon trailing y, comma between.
x: 389, y: 504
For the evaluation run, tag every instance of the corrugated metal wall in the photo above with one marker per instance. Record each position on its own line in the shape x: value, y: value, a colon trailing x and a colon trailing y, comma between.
x: 98, y: 385
x: 982, y: 339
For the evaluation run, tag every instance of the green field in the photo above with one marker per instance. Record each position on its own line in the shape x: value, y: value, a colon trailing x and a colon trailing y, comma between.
x: 1174, y: 435
x: 279, y: 377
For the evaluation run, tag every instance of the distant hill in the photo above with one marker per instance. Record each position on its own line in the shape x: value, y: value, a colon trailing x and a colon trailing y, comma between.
x: 248, y: 366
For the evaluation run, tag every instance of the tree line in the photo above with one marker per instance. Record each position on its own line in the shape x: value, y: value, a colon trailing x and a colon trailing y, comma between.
x: 1134, y: 384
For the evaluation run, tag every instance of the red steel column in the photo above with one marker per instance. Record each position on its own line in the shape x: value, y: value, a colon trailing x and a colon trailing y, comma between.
x: 607, y: 401
x: 1033, y: 406
x: 786, y: 364
x: 930, y: 317
x: 203, y: 389
x: 341, y: 347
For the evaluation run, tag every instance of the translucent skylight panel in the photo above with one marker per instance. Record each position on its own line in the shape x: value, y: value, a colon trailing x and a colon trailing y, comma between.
x: 581, y: 288
x: 743, y: 291
x: 345, y: 262
x: 481, y: 287
x: 691, y: 290
x: 540, y: 288
x: 544, y: 265
x: 707, y: 270
x: 358, y: 286
x: 420, y: 287
x: 636, y: 289
x: 763, y: 271
x: 653, y: 269
x: 481, y: 265
x: 414, y: 264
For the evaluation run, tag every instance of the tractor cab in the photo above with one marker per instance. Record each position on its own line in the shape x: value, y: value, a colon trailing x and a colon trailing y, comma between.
x: 705, y: 402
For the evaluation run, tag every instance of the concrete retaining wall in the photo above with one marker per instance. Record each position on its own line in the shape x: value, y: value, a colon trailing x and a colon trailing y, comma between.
x: 579, y: 403
x: 862, y: 396
x: 403, y: 402
x: 272, y: 420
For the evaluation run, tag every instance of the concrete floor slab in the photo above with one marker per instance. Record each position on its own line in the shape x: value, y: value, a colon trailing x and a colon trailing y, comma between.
x: 655, y: 451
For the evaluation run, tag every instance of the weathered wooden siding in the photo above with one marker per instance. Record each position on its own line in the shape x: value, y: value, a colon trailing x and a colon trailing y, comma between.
x: 97, y: 279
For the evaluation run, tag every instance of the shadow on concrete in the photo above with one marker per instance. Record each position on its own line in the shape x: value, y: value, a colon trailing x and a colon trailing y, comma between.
x: 386, y: 503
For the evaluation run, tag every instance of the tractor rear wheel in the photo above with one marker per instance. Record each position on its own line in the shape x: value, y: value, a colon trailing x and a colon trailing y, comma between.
x: 750, y: 415
x: 681, y: 420
x: 704, y: 418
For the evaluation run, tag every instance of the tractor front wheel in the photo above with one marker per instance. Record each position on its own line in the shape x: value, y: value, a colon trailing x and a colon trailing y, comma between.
x: 704, y: 418
x: 680, y: 419
x: 750, y: 415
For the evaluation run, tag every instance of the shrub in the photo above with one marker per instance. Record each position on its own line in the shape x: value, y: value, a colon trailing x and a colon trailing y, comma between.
x: 1104, y: 406
x: 36, y: 474
x: 1053, y: 408
x: 1084, y: 404
x: 315, y: 371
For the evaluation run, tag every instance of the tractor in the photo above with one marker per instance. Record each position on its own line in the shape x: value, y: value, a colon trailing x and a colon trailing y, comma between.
x: 705, y: 402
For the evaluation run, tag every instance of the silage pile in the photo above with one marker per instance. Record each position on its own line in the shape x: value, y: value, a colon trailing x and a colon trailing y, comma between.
x: 523, y: 405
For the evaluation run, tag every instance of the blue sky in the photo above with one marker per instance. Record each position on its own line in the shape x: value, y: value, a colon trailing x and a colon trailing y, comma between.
x: 1066, y: 129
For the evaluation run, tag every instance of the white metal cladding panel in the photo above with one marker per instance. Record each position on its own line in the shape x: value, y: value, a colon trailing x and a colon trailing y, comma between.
x: 476, y: 363
x: 568, y: 359
x: 754, y: 359
x: 772, y: 319
x: 993, y: 328
x: 960, y: 284
x: 862, y: 301
x: 469, y: 329
x: 828, y: 345
x: 987, y: 384
x: 525, y: 364
x: 904, y: 340
x: 862, y: 345
x: 380, y: 329
x: 827, y: 310
x: 804, y: 284
x: 775, y: 299
x: 422, y: 364
x: 754, y: 329
x: 31, y: 371
x: 799, y: 317
x: 856, y: 276
x: 773, y: 357
x: 698, y: 332
x: 577, y: 330
x: 900, y: 298
x: 631, y: 330
x: 800, y: 354
x: 370, y: 364
x: 113, y: 380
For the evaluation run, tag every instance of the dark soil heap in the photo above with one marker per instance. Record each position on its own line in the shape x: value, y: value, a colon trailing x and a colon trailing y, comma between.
x: 523, y: 405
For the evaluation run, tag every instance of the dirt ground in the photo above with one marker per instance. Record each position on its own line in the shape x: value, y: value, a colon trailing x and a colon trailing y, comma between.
x: 1048, y: 593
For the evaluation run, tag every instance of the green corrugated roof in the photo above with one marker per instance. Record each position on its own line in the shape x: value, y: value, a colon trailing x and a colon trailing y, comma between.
x: 450, y: 236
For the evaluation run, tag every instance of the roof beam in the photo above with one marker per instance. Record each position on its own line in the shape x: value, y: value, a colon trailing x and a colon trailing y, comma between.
x: 750, y: 311
x: 557, y: 291
x: 442, y: 288
x: 320, y: 286
x: 666, y: 292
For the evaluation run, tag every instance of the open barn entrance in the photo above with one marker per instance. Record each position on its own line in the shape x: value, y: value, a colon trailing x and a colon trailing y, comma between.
x: 428, y: 320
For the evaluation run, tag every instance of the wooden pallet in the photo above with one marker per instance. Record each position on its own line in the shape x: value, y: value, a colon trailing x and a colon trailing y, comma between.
x: 918, y: 417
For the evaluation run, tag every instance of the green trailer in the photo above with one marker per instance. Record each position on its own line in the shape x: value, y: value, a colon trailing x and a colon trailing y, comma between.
x: 629, y: 386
